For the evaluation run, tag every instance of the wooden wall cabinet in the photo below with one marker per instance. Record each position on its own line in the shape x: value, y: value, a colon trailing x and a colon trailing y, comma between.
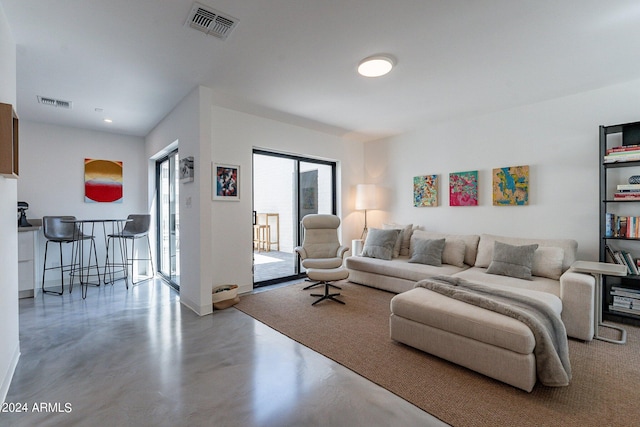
x: 8, y: 141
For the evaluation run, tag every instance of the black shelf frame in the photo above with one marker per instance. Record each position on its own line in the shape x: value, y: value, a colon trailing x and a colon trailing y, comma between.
x: 631, y: 282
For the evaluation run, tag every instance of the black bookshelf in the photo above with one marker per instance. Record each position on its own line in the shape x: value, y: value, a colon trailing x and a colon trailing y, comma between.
x: 611, y: 136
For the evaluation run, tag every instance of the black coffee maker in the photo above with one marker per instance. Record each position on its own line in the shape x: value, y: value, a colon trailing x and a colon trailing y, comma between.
x: 22, y: 219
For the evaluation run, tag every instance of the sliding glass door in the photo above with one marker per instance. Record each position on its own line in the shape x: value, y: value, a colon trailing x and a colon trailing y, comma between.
x: 167, y: 180
x: 285, y: 189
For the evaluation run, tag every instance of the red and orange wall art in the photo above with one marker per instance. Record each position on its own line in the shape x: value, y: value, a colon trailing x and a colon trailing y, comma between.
x: 102, y: 181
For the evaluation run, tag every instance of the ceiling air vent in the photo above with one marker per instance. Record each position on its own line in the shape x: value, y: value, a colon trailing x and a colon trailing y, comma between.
x: 55, y: 102
x: 210, y: 21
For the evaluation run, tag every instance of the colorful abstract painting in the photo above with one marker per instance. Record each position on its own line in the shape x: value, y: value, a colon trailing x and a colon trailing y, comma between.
x: 102, y: 181
x: 511, y: 186
x: 226, y: 183
x: 463, y: 188
x: 425, y: 190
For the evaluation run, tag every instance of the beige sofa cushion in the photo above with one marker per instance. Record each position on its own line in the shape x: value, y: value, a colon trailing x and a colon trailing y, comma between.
x: 399, y: 267
x: 568, y: 246
x: 542, y: 288
x: 547, y: 262
x: 470, y: 242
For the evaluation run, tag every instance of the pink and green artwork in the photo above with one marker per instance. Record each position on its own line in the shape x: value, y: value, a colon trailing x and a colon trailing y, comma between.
x: 425, y: 190
x: 463, y: 188
x: 511, y: 186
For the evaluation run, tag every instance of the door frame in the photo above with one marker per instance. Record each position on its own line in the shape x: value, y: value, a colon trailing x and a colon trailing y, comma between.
x: 166, y: 278
x: 298, y: 239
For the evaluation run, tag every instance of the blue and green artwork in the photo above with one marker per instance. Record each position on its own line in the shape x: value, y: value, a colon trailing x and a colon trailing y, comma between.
x: 511, y: 186
x: 425, y: 190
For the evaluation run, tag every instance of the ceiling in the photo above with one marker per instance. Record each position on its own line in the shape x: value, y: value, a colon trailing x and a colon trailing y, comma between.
x: 295, y: 61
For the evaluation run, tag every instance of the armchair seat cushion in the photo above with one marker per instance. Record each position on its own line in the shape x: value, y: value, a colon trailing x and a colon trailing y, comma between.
x: 322, y: 262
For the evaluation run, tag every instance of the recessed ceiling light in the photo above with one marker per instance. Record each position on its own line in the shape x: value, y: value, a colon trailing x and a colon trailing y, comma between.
x: 376, y: 66
x: 108, y: 121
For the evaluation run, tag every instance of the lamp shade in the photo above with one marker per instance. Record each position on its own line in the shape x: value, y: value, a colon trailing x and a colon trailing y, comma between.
x: 366, y: 197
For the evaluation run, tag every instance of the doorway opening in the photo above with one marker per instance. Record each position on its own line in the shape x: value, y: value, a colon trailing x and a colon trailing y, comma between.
x: 286, y: 188
x: 168, y: 218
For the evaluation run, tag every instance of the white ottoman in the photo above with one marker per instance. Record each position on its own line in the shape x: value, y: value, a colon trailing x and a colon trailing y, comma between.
x: 324, y: 276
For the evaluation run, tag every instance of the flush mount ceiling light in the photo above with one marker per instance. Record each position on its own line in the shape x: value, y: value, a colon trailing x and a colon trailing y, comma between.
x: 376, y: 66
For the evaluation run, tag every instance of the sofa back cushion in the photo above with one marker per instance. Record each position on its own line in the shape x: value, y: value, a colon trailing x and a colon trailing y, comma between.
x: 449, y: 255
x: 546, y: 262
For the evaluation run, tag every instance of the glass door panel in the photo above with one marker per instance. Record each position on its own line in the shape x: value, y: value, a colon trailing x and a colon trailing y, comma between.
x: 274, y: 231
x: 285, y: 189
x: 169, y: 218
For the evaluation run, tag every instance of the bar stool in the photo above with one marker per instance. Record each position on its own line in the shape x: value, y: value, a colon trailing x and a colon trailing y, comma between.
x: 136, y: 228
x: 57, y: 231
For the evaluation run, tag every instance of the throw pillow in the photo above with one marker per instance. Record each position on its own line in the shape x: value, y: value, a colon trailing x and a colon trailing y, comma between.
x: 547, y: 262
x: 512, y: 261
x: 453, y: 253
x: 396, y: 247
x: 404, y: 237
x: 380, y: 243
x: 427, y: 251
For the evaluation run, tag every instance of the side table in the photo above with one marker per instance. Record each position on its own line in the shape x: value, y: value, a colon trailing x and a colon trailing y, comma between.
x: 597, y: 269
x: 356, y: 247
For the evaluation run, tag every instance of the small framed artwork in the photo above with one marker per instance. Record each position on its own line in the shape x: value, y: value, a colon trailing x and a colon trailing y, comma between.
x: 186, y: 169
x: 226, y: 182
x: 511, y: 186
x: 425, y: 190
x: 463, y: 188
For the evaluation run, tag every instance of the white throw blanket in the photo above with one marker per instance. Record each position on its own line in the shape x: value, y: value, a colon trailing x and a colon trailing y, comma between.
x: 551, y: 350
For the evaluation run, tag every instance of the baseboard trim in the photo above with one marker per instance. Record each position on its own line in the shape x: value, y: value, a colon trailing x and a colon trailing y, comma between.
x: 199, y: 310
x: 6, y: 381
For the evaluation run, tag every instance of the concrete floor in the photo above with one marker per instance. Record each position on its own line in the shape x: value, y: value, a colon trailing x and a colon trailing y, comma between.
x: 139, y: 358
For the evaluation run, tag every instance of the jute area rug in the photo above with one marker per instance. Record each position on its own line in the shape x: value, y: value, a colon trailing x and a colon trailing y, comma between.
x: 604, y: 391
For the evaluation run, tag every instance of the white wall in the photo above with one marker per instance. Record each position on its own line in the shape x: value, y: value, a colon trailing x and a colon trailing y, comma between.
x: 52, y: 175
x: 10, y: 345
x: 558, y: 139
x: 216, y: 236
x: 188, y: 127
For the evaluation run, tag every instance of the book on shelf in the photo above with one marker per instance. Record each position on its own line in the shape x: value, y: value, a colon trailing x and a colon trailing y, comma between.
x: 629, y: 156
x: 631, y: 263
x: 627, y: 227
x: 622, y: 226
x: 610, y: 225
x: 619, y: 290
x: 623, y: 301
x: 622, y: 149
x: 610, y: 253
x: 622, y: 152
x: 623, y: 258
x: 623, y: 195
x: 624, y: 310
x: 628, y: 187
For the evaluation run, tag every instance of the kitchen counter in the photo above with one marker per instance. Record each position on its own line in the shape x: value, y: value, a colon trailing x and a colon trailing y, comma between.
x: 36, y: 224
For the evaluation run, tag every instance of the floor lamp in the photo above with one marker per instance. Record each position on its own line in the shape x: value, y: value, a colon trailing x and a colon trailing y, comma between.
x: 366, y: 199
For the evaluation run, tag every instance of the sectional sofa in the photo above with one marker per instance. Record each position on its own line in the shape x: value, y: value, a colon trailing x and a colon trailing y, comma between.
x: 479, y: 339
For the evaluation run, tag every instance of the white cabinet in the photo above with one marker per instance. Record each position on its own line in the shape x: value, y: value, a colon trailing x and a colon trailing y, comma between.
x: 28, y: 265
